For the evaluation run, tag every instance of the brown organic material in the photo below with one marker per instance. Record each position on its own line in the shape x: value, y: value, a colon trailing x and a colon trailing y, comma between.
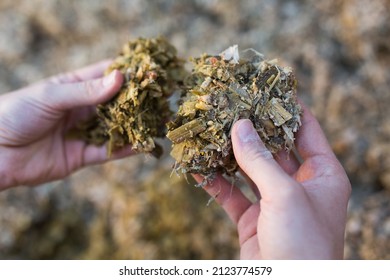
x: 138, y: 113
x: 221, y: 90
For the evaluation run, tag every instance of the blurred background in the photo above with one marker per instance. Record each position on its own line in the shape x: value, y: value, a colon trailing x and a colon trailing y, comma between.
x: 133, y: 209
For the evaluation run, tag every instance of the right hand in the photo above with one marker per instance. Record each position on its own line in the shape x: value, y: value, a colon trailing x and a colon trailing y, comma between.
x: 301, y: 208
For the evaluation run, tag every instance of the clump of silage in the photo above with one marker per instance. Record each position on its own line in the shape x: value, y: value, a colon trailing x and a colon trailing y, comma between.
x: 138, y: 113
x: 221, y: 90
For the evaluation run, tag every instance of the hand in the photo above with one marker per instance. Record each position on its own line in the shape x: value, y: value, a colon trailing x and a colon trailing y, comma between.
x: 34, y: 121
x: 301, y: 213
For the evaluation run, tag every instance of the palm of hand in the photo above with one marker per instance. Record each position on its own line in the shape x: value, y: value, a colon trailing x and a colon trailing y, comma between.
x: 35, y: 120
x: 33, y: 133
x: 282, y: 227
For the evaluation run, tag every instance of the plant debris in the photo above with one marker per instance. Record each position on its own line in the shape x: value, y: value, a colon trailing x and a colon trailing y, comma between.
x: 138, y: 113
x: 221, y: 90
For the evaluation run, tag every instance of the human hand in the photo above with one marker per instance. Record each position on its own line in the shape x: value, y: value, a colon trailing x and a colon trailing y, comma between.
x: 34, y: 121
x: 301, y: 212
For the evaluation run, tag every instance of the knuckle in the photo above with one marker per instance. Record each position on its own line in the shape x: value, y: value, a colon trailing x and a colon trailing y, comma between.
x: 256, y: 153
x: 89, y: 89
x: 69, y: 77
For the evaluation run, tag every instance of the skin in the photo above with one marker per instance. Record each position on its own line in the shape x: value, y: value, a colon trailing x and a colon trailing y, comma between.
x: 34, y: 121
x: 300, y: 212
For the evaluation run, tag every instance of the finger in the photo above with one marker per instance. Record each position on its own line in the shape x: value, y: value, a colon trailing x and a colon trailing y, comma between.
x: 80, y: 115
x: 231, y: 199
x: 247, y: 227
x: 287, y: 161
x: 98, y: 154
x: 68, y: 96
x: 251, y: 184
x: 311, y: 140
x: 320, y: 163
x: 78, y: 154
x: 257, y: 161
x: 90, y: 72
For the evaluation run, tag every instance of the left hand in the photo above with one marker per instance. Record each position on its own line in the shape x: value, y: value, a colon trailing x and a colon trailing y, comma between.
x: 35, y: 119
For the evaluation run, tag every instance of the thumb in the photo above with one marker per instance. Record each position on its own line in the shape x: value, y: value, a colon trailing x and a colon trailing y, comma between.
x: 91, y: 92
x: 257, y: 161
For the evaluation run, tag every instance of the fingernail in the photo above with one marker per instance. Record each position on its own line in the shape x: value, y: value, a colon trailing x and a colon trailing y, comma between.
x: 109, y: 80
x: 246, y: 132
